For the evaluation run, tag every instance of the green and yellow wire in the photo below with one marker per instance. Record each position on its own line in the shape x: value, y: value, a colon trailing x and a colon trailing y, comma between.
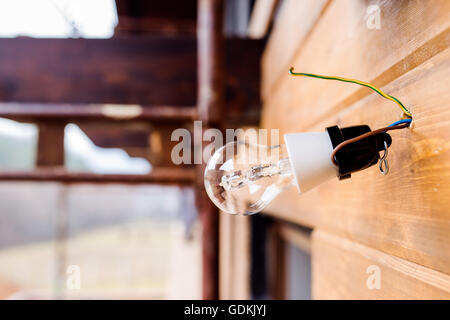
x: 362, y: 83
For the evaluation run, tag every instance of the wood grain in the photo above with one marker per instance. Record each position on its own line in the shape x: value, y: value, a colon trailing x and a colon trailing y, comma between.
x: 341, y: 44
x: 406, y: 212
x: 340, y: 271
x: 294, y: 22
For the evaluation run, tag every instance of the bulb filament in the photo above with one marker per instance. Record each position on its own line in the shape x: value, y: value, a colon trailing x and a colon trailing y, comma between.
x: 239, y: 178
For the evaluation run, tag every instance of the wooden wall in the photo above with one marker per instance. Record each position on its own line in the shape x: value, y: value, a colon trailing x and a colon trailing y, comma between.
x: 399, y: 222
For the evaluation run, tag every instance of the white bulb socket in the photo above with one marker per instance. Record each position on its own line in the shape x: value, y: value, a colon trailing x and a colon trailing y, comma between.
x: 310, y: 157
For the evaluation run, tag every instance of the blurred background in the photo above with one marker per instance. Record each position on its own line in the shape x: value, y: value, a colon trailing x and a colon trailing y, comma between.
x: 91, y: 205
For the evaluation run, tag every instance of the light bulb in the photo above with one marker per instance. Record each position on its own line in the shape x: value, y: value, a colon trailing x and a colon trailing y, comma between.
x: 243, y: 178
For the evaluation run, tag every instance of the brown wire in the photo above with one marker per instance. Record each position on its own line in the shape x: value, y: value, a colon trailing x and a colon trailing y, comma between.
x: 363, y: 136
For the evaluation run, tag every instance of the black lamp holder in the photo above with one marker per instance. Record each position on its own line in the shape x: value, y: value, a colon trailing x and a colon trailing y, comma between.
x: 360, y: 154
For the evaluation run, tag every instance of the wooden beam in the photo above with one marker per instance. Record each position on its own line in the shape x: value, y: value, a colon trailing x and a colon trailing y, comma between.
x: 210, y: 60
x: 261, y: 17
x: 161, y: 26
x: 210, y: 103
x: 168, y: 9
x: 95, y: 112
x: 50, y: 147
x: 242, y: 80
x: 173, y: 176
x: 141, y: 70
x: 122, y: 70
x: 169, y: 17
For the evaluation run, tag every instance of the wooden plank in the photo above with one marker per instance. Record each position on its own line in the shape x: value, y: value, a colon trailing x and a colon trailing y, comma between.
x: 406, y: 212
x: 294, y: 22
x: 95, y: 112
x: 121, y: 70
x: 341, y: 44
x: 161, y: 26
x: 341, y: 270
x: 210, y: 60
x: 210, y: 103
x: 263, y: 11
x: 169, y: 17
x: 242, y: 82
x: 50, y: 148
x: 169, y: 9
x: 128, y: 71
x: 172, y: 176
x: 210, y: 245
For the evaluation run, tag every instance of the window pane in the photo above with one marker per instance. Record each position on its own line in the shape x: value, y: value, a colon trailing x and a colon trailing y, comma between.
x: 18, y: 145
x: 298, y: 274
x: 108, y: 241
x: 57, y: 18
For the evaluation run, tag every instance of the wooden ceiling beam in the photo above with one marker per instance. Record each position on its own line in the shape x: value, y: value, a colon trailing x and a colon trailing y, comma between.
x: 172, y: 176
x: 123, y: 70
x: 148, y: 25
x: 95, y: 112
x: 138, y: 70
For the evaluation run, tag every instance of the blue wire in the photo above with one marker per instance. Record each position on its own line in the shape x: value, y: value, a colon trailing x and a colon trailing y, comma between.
x: 400, y: 122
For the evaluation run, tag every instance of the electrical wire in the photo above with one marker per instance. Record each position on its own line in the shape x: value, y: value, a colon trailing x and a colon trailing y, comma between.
x: 362, y: 83
x: 400, y: 124
x: 393, y: 126
x: 400, y: 121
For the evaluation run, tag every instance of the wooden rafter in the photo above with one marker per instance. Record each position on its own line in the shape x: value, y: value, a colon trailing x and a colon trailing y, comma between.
x: 173, y: 176
x: 139, y: 70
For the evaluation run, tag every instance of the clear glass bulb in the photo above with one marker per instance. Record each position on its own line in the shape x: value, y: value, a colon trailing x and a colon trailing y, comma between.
x: 243, y: 178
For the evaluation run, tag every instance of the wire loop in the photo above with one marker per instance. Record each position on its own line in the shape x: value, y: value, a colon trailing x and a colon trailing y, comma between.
x: 363, y: 136
x: 383, y: 164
